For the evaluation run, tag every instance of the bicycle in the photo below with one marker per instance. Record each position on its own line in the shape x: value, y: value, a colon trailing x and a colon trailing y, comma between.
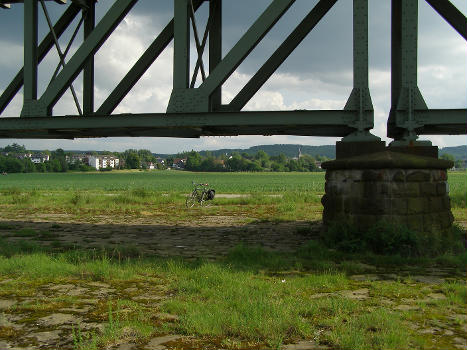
x: 200, y: 195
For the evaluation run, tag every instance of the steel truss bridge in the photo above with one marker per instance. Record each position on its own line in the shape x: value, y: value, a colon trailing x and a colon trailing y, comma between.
x: 198, y: 111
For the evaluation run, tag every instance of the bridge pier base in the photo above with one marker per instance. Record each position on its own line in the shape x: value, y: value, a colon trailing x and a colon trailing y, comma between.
x: 388, y: 186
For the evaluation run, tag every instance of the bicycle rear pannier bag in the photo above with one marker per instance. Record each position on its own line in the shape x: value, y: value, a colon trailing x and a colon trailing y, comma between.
x: 211, y: 194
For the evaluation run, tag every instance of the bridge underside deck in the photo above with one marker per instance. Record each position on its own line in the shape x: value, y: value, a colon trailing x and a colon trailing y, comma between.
x: 188, y: 125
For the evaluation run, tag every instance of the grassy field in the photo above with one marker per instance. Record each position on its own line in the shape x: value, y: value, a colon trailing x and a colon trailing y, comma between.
x: 166, y: 181
x: 82, y: 295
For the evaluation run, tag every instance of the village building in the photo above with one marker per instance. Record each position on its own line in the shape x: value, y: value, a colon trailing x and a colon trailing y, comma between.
x: 103, y: 162
x: 39, y: 158
x: 179, y: 163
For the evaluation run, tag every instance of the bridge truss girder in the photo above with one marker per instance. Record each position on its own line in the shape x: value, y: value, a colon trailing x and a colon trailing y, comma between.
x: 197, y: 111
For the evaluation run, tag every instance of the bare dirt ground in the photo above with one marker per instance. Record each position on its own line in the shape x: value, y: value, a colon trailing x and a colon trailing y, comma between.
x: 207, y: 237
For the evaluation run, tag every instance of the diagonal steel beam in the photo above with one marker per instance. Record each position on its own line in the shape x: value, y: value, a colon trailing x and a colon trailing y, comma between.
x: 200, y: 49
x: 141, y: 66
x: 60, y: 54
x: 281, y: 54
x: 245, y: 45
x: 44, y: 47
x: 197, y: 42
x: 88, y: 48
x: 451, y: 14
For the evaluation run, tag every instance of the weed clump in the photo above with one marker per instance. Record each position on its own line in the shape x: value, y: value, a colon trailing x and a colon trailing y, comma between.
x: 390, y: 239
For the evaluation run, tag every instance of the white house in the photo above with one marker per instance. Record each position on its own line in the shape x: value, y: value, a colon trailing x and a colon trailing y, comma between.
x: 94, y: 162
x: 103, y: 162
x: 39, y: 158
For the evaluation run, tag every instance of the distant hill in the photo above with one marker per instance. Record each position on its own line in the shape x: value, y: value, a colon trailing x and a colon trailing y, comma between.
x: 288, y: 150
x: 459, y: 152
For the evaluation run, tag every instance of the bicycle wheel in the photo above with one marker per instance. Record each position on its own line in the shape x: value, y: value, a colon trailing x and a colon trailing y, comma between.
x: 202, y: 198
x: 191, y: 199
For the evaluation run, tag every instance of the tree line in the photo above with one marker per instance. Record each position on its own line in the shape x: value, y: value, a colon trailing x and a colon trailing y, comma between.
x: 260, y: 161
x: 13, y: 160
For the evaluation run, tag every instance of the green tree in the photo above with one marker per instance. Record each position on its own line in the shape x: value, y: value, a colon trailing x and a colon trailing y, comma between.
x: 448, y: 156
x: 15, y: 148
x: 132, y: 160
x: 193, y: 161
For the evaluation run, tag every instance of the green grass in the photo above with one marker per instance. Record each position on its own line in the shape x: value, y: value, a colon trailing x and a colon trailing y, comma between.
x: 163, y: 181
x: 251, y: 297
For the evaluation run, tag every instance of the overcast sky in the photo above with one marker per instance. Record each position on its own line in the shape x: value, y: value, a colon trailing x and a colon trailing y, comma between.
x: 318, y: 75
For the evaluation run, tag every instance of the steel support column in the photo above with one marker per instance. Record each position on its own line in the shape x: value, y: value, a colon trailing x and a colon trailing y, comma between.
x: 181, y: 68
x: 405, y: 95
x: 360, y: 99
x: 215, y: 48
x: 30, y: 54
x: 88, y: 71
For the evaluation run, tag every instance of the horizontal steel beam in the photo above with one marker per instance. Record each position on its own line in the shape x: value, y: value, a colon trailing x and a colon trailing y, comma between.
x: 442, y: 121
x: 306, y: 123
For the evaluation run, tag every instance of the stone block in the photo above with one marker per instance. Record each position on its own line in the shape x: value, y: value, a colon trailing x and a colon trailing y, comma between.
x: 399, y: 206
x: 415, y: 222
x: 346, y: 149
x: 412, y: 189
x: 330, y: 187
x: 446, y: 202
x: 372, y: 175
x: 399, y: 176
x: 357, y: 189
x: 348, y: 203
x: 397, y: 189
x: 332, y: 203
x: 414, y: 206
x: 325, y: 200
x: 441, y: 188
x: 383, y: 189
x: 436, y: 204
x: 427, y: 205
x: 418, y: 176
x: 427, y: 223
x: 401, y: 189
x: 371, y: 205
x: 436, y: 222
x: 446, y: 219
x: 370, y: 189
x: 428, y: 189
x: 329, y: 175
x: 365, y: 221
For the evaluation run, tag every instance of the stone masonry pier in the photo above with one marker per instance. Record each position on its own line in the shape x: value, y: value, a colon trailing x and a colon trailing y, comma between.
x: 387, y: 186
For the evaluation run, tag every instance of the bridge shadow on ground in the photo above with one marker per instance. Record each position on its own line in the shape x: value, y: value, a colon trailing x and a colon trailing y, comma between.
x: 209, y: 242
